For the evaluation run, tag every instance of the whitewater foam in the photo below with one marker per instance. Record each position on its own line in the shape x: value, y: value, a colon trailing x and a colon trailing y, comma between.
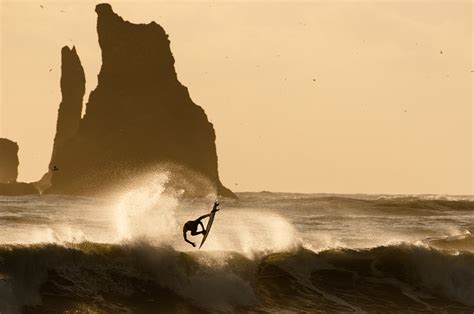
x: 147, y: 212
x: 256, y: 256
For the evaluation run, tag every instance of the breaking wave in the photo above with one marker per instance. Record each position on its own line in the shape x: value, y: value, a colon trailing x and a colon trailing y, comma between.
x: 139, y: 277
x: 267, y: 252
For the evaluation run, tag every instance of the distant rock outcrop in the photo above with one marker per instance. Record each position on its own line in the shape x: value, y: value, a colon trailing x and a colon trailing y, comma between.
x: 17, y: 188
x: 138, y: 117
x: 8, y: 161
x: 9, y: 171
x: 73, y: 87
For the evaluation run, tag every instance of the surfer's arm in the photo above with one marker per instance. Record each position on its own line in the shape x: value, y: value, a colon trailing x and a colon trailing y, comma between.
x: 214, y: 209
x: 186, y: 238
x: 202, y: 217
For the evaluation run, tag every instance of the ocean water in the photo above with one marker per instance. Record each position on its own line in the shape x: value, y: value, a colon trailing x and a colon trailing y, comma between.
x: 267, y: 252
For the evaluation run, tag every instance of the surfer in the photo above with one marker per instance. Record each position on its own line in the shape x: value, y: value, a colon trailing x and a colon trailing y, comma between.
x: 193, y: 225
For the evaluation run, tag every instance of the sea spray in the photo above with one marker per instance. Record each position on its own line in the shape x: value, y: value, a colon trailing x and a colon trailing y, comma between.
x: 251, y: 232
x: 255, y: 259
x: 147, y: 212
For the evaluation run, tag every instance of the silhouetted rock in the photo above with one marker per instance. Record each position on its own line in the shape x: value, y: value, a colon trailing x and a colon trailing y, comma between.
x: 17, y: 188
x: 138, y: 118
x: 8, y: 161
x: 73, y: 87
x: 44, y: 183
x: 9, y: 171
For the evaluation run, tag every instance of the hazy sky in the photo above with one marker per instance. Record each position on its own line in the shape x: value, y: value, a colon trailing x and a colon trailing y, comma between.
x: 342, y: 97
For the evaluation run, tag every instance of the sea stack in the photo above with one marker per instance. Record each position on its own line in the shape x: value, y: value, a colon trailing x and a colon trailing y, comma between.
x: 8, y: 161
x: 9, y: 171
x: 138, y: 117
x: 73, y: 87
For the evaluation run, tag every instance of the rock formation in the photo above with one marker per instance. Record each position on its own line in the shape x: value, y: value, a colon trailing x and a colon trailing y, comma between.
x: 73, y: 87
x: 9, y: 171
x: 8, y: 161
x: 138, y: 117
x: 17, y: 188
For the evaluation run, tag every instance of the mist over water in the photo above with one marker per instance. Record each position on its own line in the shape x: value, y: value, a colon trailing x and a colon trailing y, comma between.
x: 266, y: 251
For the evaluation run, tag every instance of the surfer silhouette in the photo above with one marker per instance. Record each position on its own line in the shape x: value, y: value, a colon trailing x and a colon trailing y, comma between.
x: 193, y: 225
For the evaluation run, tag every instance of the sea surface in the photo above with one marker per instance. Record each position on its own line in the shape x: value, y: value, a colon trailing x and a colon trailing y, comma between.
x: 266, y: 252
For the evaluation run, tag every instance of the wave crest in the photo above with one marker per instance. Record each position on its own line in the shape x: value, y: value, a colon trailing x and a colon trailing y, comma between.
x: 138, y: 276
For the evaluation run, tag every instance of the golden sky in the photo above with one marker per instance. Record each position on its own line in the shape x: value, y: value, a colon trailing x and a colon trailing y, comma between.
x: 335, y: 96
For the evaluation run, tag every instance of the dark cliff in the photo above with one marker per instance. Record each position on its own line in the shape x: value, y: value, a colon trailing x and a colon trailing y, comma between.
x: 73, y: 87
x: 139, y: 116
x: 8, y: 161
x: 17, y: 189
x: 9, y: 171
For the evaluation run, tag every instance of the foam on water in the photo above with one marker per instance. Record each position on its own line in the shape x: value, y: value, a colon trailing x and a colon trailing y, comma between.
x: 150, y: 213
x: 146, y: 212
x: 261, y: 247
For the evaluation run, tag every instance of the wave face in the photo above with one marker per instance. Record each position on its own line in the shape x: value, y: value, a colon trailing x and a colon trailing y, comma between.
x: 141, y: 278
x: 266, y: 252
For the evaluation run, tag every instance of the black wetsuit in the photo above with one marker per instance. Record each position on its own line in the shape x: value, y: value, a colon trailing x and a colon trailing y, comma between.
x: 193, y: 225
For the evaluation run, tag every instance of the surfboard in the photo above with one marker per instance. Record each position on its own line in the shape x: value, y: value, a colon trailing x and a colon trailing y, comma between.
x: 208, y: 227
